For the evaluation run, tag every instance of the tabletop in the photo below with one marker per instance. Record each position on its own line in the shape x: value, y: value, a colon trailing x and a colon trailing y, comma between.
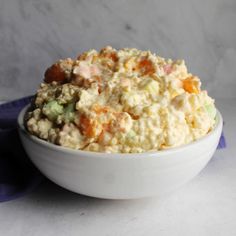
x: 205, y: 206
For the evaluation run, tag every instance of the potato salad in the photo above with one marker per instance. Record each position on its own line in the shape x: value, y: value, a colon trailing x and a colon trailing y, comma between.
x: 120, y: 101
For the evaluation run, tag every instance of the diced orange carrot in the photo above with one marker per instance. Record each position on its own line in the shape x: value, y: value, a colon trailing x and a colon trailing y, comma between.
x: 146, y: 67
x: 88, y: 126
x: 54, y: 73
x: 191, y: 85
x: 113, y: 56
x: 108, y: 53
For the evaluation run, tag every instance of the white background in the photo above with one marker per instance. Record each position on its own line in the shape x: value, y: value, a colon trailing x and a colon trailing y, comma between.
x: 33, y: 34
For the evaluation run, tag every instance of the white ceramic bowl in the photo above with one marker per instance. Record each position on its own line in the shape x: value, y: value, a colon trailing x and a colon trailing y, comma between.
x: 120, y: 176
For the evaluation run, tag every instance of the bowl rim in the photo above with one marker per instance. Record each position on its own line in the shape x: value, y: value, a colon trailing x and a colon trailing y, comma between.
x: 21, y: 128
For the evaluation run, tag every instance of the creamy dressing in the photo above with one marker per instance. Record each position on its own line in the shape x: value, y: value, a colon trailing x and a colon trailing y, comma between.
x: 120, y: 101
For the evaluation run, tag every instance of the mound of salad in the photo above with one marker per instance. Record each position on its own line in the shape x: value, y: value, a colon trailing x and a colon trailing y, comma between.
x: 120, y: 101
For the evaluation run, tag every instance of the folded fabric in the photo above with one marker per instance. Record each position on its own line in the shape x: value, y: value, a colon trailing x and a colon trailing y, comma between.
x: 18, y: 176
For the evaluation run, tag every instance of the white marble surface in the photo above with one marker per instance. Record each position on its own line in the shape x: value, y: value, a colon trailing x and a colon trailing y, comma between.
x: 34, y: 33
x: 206, y: 206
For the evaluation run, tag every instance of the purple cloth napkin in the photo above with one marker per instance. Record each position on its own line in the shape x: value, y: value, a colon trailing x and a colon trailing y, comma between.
x: 18, y: 176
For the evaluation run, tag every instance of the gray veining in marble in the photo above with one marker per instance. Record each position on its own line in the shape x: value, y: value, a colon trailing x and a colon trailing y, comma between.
x: 35, y: 33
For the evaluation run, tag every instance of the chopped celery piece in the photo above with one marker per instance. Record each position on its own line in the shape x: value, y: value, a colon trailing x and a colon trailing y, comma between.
x: 52, y: 110
x: 69, y: 113
x: 70, y: 107
x: 210, y: 108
